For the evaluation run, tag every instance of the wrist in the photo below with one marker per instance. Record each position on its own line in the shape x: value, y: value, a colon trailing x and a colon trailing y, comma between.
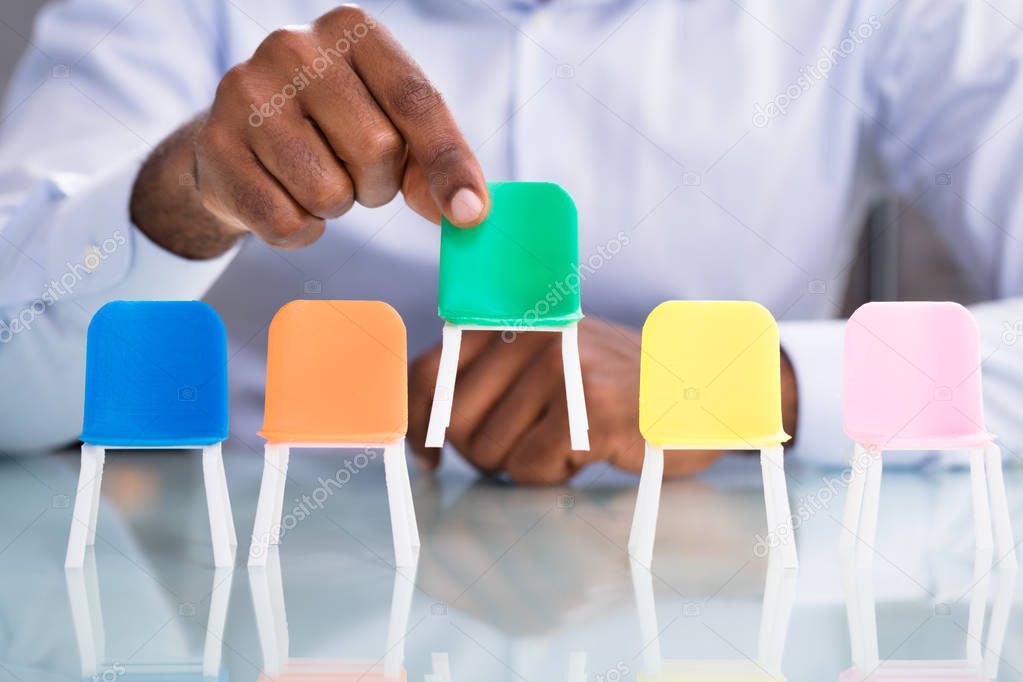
x: 165, y: 203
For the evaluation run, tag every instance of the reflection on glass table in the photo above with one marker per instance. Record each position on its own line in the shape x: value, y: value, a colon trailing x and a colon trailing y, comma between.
x: 514, y: 584
x: 779, y: 591
x: 982, y: 658
x: 272, y: 625
x: 90, y: 633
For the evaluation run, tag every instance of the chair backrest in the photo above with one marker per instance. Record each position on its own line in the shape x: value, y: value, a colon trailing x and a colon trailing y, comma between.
x: 520, y: 267
x: 710, y: 376
x: 912, y: 376
x: 337, y: 372
x: 155, y: 375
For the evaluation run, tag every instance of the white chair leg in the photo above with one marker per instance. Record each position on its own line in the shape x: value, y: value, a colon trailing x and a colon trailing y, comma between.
x: 648, y: 498
x: 410, y: 507
x: 444, y: 392
x: 82, y: 518
x: 213, y: 645
x: 266, y: 622
x: 981, y: 503
x: 776, y: 497
x: 779, y: 594
x: 1005, y: 544
x: 232, y: 534
x: 578, y: 423
x: 772, y: 520
x: 646, y: 608
x: 397, y: 622
x: 858, y: 468
x: 871, y: 501
x: 396, y: 498
x: 88, y: 622
x: 262, y: 527
x: 577, y: 666
x: 441, y: 667
x: 212, y: 468
x: 101, y: 458
x: 868, y: 615
x: 283, y: 458
x: 1005, y: 587
x: 978, y: 606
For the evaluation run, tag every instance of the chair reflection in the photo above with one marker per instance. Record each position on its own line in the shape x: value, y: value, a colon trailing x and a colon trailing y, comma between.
x: 779, y: 593
x: 442, y: 668
x: 272, y: 624
x: 982, y: 659
x: 87, y: 614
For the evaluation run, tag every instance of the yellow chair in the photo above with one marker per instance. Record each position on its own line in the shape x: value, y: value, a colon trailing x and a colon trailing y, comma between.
x: 710, y: 379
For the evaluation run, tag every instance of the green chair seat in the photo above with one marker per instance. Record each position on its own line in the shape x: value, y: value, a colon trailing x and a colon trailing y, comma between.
x: 520, y: 267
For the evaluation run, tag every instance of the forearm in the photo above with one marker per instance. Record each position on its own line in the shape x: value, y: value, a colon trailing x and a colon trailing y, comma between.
x: 165, y: 202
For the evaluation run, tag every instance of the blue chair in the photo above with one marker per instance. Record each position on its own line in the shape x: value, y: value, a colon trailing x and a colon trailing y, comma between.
x: 155, y: 377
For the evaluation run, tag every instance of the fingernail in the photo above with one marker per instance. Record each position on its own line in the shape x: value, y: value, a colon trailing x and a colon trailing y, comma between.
x: 465, y: 206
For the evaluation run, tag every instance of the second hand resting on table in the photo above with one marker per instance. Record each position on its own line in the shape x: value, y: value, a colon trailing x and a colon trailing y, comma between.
x: 510, y: 413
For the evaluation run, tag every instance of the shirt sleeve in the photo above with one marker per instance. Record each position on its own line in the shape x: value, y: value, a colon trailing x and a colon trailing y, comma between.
x: 814, y: 349
x: 102, y: 82
x: 945, y: 105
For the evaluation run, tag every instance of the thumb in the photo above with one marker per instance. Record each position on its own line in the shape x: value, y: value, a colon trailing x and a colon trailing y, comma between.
x: 432, y: 194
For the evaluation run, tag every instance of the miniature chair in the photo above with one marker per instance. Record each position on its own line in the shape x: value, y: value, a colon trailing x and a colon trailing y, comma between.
x: 710, y: 379
x: 913, y: 382
x: 336, y: 377
x: 982, y: 657
x: 779, y: 596
x: 515, y: 272
x: 155, y: 378
x: 272, y: 625
x: 90, y: 634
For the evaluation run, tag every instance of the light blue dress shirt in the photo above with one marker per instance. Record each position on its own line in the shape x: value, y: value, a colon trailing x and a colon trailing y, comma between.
x: 716, y: 150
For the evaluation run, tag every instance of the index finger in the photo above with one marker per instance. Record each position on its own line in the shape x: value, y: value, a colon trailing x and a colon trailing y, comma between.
x: 418, y: 111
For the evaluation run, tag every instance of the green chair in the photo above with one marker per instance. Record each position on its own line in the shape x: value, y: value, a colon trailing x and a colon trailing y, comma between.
x: 516, y: 272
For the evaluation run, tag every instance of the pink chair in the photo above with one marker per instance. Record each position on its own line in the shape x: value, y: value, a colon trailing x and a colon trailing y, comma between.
x: 912, y: 381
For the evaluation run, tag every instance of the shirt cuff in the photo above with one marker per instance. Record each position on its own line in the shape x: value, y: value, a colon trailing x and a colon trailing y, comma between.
x: 116, y: 260
x: 815, y: 350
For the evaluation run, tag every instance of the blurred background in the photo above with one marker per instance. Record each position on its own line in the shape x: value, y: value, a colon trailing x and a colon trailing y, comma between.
x: 900, y: 257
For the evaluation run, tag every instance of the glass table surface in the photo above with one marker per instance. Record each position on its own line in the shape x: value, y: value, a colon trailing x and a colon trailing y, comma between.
x: 512, y: 583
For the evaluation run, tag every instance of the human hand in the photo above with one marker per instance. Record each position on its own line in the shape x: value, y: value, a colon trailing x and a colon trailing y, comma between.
x: 320, y: 117
x: 510, y: 413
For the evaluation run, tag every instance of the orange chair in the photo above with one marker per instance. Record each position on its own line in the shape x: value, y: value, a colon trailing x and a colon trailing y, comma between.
x: 336, y: 377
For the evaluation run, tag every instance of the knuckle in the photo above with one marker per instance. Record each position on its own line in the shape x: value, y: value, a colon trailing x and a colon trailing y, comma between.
x: 238, y: 84
x: 232, y: 78
x: 330, y: 198
x: 415, y: 98
x: 284, y: 42
x: 384, y: 146
x: 445, y: 154
x: 284, y: 227
x: 347, y: 15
